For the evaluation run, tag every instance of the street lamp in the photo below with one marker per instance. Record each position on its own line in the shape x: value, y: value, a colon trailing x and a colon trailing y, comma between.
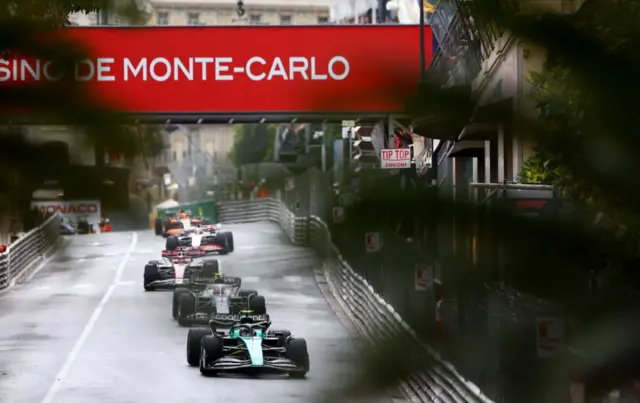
x: 394, y: 5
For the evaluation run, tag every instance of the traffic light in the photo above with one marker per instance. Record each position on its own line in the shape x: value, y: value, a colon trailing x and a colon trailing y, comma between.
x: 240, y: 10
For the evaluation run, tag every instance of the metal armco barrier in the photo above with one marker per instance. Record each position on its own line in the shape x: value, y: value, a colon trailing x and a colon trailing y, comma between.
x: 28, y: 250
x: 375, y: 320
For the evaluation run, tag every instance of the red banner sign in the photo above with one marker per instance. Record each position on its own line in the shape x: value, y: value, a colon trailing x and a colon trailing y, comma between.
x: 256, y: 69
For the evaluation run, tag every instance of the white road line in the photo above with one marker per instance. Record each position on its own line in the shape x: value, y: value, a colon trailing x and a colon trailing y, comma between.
x: 292, y: 279
x: 250, y: 279
x: 77, y: 347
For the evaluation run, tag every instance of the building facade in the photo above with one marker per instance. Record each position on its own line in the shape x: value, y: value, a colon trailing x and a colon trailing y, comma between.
x: 224, y: 12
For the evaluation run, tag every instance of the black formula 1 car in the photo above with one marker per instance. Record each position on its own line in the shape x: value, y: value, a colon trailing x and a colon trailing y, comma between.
x: 249, y: 346
x: 175, y: 270
x: 202, y: 297
x: 216, y: 229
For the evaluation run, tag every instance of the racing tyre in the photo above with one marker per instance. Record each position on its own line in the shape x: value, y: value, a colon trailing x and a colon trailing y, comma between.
x: 150, y: 275
x: 176, y: 300
x: 258, y: 304
x: 184, y: 242
x: 210, y: 267
x: 247, y: 293
x: 186, y: 307
x: 158, y: 226
x: 194, y: 338
x: 297, y: 352
x: 211, y: 350
x: 172, y: 243
x: 228, y: 237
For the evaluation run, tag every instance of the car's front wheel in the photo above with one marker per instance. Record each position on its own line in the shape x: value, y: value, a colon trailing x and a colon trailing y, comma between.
x: 186, y: 308
x: 211, y: 350
x: 194, y: 338
x: 297, y: 352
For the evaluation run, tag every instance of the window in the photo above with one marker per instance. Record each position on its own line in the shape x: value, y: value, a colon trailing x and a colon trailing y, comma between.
x: 285, y: 20
x: 194, y: 19
x: 255, y: 19
x: 162, y: 18
x: 323, y: 20
x: 175, y: 155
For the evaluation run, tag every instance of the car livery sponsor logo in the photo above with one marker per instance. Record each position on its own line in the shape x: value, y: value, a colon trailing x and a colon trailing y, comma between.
x: 236, y: 318
x: 203, y: 279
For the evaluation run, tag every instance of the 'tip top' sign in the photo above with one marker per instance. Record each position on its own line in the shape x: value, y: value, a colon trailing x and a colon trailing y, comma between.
x: 397, y: 158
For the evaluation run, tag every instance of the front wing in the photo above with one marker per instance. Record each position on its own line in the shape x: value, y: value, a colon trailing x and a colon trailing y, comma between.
x: 234, y: 364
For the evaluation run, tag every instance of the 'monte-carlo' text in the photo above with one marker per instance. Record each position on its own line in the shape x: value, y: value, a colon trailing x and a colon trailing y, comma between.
x: 161, y: 69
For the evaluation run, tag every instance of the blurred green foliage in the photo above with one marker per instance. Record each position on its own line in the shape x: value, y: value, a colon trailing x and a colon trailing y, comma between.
x: 252, y: 143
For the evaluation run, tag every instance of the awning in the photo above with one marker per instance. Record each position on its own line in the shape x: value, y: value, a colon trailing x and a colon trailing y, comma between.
x: 442, y: 129
x: 468, y: 149
x: 487, y: 117
x: 479, y: 131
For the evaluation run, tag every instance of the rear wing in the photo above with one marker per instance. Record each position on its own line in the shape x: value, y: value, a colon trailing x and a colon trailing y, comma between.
x: 229, y: 280
x: 228, y: 320
x: 191, y: 252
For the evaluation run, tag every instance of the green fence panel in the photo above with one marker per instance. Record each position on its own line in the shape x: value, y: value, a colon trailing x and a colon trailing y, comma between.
x: 204, y: 208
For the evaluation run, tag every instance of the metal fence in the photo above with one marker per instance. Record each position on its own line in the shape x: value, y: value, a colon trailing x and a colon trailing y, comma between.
x: 31, y: 249
x: 486, y: 310
x: 377, y: 319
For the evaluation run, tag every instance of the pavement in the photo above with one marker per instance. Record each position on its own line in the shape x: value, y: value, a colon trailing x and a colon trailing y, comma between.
x: 84, y: 330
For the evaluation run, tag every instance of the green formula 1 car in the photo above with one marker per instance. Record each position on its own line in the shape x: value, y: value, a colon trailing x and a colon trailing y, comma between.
x: 249, y: 346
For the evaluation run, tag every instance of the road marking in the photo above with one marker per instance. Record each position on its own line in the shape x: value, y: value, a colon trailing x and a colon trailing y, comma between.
x: 250, y: 279
x: 77, y: 347
x: 292, y: 279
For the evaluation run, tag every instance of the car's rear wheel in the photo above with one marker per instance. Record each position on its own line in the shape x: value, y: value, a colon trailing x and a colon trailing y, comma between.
x: 194, y: 338
x: 247, y: 293
x: 211, y: 350
x: 229, y: 240
x: 186, y: 308
x: 176, y: 300
x: 258, y: 304
x: 210, y: 267
x: 297, y: 352
x: 172, y: 243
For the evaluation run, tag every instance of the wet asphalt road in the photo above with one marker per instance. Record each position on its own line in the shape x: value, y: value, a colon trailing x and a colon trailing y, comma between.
x: 84, y: 330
